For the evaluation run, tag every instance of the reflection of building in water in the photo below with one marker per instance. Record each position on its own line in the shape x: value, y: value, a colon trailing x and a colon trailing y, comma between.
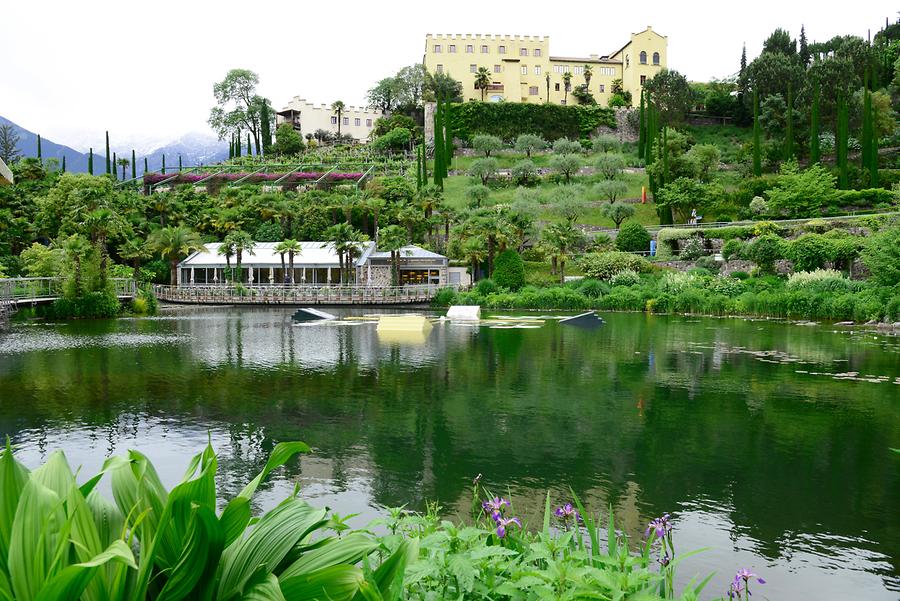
x: 254, y: 338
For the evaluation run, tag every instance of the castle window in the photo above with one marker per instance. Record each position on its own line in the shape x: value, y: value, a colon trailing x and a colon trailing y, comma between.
x: 537, y: 69
x: 643, y: 79
x: 334, y: 120
x: 556, y: 87
x: 346, y: 120
x: 437, y: 48
x: 607, y: 71
x: 484, y: 49
x: 602, y: 88
x: 473, y: 68
x: 627, y: 61
x: 643, y: 57
x: 501, y: 49
x: 496, y: 68
x: 533, y: 91
x: 579, y: 70
x: 451, y: 49
x: 470, y: 49
x: 537, y: 52
x: 368, y: 123
x: 357, y: 122
x: 656, y: 58
x: 524, y: 69
x: 439, y: 69
x: 523, y: 51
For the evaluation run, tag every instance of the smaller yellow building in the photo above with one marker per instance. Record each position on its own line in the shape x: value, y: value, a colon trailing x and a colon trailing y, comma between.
x: 523, y: 70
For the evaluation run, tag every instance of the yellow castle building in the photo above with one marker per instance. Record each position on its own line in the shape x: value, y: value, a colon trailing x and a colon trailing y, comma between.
x: 523, y: 70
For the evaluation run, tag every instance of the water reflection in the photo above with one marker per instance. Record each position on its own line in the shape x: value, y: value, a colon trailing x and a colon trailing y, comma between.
x: 738, y: 428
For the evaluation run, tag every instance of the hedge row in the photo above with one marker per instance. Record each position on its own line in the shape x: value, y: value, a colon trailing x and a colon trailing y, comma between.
x: 507, y: 120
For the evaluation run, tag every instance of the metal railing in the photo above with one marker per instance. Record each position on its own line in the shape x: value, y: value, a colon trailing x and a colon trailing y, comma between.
x: 298, y: 294
x: 37, y: 289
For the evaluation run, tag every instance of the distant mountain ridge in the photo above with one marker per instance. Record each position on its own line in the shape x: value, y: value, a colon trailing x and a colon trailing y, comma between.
x: 194, y: 149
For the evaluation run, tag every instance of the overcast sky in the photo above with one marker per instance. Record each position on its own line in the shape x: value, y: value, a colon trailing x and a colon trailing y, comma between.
x: 145, y: 70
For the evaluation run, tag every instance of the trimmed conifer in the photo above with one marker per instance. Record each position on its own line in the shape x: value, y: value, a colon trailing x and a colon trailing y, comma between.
x: 814, y: 148
x: 163, y: 164
x: 107, y: 153
x: 133, y: 164
x: 91, y: 161
x: 757, y: 152
x: 64, y: 164
x: 39, y: 155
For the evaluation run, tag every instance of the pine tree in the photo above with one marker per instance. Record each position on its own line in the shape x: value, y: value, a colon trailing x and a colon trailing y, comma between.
x: 742, y: 74
x: 804, y: 48
x: 39, y: 154
x: 265, y: 128
x: 91, y: 161
x: 641, y: 125
x: 757, y: 156
x: 842, y: 136
x: 814, y: 148
x: 64, y: 164
x: 107, y: 153
x: 133, y: 164
x: 789, y: 134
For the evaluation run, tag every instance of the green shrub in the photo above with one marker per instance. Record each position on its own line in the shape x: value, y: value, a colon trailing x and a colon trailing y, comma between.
x: 484, y: 169
x: 605, y: 143
x: 592, y: 288
x: 740, y: 275
x: 509, y: 270
x: 487, y: 144
x: 865, y: 199
x: 882, y: 256
x: 633, y: 237
x: 444, y: 297
x: 764, y: 251
x: 808, y: 252
x: 665, y: 241
x: 524, y: 173
x: 508, y: 120
x: 602, y: 266
x: 91, y: 305
x: 820, y: 280
x: 725, y: 285
x: 486, y: 286
x: 395, y: 140
x: 566, y: 146
x: 732, y: 249
x: 625, y: 278
x: 477, y: 194
x: 708, y: 263
x: 691, y: 250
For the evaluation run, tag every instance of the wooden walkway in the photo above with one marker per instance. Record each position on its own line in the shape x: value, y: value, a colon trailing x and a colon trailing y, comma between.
x: 17, y: 292
x: 297, y: 295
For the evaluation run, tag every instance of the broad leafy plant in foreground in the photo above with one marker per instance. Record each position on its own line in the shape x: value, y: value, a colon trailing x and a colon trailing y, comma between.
x: 62, y: 541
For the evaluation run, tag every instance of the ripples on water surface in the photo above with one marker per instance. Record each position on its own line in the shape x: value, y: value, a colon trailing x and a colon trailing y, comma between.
x: 768, y: 443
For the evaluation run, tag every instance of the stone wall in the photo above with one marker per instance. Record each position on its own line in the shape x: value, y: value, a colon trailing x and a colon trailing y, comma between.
x: 623, y: 132
x: 381, y: 276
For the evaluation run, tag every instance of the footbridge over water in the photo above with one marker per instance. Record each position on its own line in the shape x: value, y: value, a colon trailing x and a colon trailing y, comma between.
x: 289, y: 294
x: 30, y: 292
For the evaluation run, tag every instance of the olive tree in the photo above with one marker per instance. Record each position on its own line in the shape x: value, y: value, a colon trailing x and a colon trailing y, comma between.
x: 487, y: 144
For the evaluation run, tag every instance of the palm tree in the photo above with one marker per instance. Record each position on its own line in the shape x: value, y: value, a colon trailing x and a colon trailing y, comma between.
x: 338, y: 107
x: 393, y: 238
x: 173, y: 243
x: 343, y: 237
x: 136, y: 250
x: 482, y: 80
x: 560, y: 239
x: 123, y: 163
x: 567, y: 85
x: 102, y: 223
x: 588, y: 73
x: 242, y: 242
x: 226, y: 249
x: 76, y: 247
x: 474, y: 251
x: 292, y: 248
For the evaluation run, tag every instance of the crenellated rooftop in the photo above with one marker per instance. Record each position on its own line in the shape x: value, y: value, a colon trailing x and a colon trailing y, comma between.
x: 487, y: 37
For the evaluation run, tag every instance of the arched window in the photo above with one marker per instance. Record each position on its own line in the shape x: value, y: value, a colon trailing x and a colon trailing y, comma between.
x: 643, y: 57
x: 656, y: 58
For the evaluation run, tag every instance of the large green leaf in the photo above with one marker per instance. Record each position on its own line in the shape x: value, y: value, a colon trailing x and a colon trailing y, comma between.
x: 350, y: 549
x: 137, y: 490
x: 13, y: 477
x: 71, y: 582
x: 199, y: 557
x: 55, y: 474
x: 37, y: 531
x: 335, y: 583
x: 236, y: 516
x: 267, y: 590
x: 389, y: 575
x: 267, y: 544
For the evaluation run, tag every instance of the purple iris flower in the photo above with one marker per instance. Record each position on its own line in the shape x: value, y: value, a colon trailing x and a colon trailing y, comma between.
x: 494, y: 505
x: 565, y: 512
x: 504, y: 523
x: 746, y: 575
x: 661, y: 526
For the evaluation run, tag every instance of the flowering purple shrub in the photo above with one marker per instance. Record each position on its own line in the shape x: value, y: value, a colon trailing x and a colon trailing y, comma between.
x: 190, y: 178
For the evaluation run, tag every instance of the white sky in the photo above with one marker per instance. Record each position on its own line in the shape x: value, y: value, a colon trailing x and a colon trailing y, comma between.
x: 145, y: 70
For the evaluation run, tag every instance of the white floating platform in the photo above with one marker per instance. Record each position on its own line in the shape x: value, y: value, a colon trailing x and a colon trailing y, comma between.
x: 310, y: 314
x: 404, y: 323
x: 587, y: 320
x: 464, y: 312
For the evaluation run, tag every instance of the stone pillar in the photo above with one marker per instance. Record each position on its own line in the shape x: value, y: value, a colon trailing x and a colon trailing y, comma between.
x: 429, y: 123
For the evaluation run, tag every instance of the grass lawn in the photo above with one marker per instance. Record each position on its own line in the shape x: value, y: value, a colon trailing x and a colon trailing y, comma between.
x: 728, y: 138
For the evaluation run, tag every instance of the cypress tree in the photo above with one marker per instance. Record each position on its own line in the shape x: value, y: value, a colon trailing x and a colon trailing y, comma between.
x: 249, y: 149
x: 789, y: 135
x: 664, y: 149
x: 873, y: 153
x: 265, y: 128
x: 231, y: 148
x: 146, y: 165
x: 179, y: 163
x: 133, y: 164
x: 91, y: 161
x: 841, y: 141
x: 64, y: 164
x: 641, y: 127
x: 164, y: 164
x: 107, y: 152
x: 814, y: 149
x: 40, y: 157
x: 113, y: 173
x: 237, y: 145
x: 757, y: 157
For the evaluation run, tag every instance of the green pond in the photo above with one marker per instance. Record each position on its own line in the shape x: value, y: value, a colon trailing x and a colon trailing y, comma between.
x: 769, y: 443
